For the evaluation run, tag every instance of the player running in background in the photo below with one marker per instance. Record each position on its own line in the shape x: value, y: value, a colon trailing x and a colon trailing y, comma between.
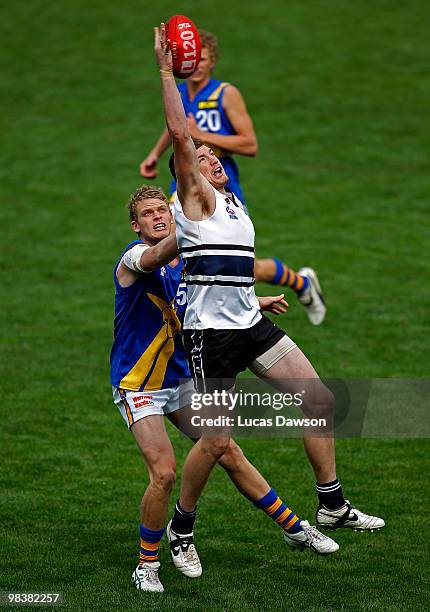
x: 224, y: 330
x: 147, y: 363
x: 217, y: 115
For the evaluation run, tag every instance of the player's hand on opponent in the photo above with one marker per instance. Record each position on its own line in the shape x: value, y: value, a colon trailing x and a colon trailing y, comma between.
x: 192, y: 127
x: 148, y: 168
x: 274, y: 304
x: 163, y: 53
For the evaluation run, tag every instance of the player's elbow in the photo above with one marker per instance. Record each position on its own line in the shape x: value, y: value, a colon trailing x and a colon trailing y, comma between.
x: 251, y: 147
x: 179, y: 134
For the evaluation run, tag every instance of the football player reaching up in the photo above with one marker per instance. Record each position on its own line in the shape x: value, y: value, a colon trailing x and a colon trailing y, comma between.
x: 217, y: 115
x: 224, y: 330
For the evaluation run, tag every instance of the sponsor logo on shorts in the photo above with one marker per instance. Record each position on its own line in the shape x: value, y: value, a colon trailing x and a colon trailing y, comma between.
x: 142, y: 400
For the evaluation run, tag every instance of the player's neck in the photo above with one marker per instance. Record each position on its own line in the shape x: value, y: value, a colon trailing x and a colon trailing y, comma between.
x: 195, y: 88
x: 150, y: 241
x: 221, y: 190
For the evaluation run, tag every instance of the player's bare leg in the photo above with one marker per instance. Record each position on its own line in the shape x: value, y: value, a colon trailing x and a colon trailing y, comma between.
x: 198, y: 465
x: 334, y: 510
x: 156, y: 448
x: 242, y: 473
x: 246, y: 478
x: 295, y: 369
x: 251, y: 484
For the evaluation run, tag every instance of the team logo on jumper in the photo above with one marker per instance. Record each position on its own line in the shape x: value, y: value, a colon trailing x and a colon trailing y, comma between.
x: 231, y: 212
x: 143, y: 400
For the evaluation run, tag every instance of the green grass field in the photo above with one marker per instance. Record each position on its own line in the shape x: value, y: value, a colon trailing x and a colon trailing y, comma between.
x: 339, y: 95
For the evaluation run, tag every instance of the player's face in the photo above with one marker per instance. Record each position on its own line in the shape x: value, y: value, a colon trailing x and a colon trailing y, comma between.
x: 154, y: 220
x: 204, y: 69
x: 211, y: 167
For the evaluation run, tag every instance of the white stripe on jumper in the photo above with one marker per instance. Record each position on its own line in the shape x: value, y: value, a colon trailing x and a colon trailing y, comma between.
x: 219, y: 277
x: 225, y: 251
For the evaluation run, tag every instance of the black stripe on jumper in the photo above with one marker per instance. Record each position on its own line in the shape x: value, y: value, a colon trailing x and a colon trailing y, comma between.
x: 220, y: 265
x: 217, y: 247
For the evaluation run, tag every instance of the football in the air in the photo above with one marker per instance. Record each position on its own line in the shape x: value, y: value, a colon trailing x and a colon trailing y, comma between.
x: 185, y: 45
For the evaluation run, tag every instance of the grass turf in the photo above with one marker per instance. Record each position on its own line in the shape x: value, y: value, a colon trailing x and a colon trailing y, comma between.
x: 338, y: 92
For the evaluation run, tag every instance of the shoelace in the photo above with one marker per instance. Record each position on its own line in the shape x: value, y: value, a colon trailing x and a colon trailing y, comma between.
x: 151, y: 575
x: 191, y: 555
x: 314, y: 534
x: 186, y: 546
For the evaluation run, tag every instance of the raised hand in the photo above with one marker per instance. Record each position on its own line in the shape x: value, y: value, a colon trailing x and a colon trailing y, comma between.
x: 162, y: 49
x: 148, y: 168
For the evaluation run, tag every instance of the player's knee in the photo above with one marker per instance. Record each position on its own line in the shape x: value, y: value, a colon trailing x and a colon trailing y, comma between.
x: 321, y: 404
x: 264, y: 270
x: 164, y: 478
x: 216, y: 446
x: 233, y: 457
x: 257, y: 269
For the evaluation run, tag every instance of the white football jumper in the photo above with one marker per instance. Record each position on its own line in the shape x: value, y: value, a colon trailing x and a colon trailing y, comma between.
x: 218, y: 255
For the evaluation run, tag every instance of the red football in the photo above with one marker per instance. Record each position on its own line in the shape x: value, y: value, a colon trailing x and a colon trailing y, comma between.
x: 185, y: 44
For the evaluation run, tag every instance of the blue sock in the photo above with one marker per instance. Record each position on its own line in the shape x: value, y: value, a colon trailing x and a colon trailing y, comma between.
x: 149, y: 544
x: 275, y: 508
x: 287, y: 277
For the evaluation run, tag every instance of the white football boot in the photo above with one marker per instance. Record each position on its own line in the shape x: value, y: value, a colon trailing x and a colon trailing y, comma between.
x: 145, y: 577
x: 312, y: 298
x: 184, y: 553
x: 311, y: 538
x: 347, y: 516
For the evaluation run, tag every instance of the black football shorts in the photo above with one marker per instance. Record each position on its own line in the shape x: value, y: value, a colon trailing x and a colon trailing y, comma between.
x: 216, y: 356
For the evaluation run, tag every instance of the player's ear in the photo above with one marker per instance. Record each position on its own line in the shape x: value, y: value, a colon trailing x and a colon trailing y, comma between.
x: 135, y: 227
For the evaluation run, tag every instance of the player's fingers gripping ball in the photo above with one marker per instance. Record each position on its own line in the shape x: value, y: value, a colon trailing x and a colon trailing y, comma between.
x: 185, y: 45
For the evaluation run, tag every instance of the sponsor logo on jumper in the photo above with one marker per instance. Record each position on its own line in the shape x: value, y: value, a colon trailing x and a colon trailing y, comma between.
x: 231, y: 212
x: 208, y: 104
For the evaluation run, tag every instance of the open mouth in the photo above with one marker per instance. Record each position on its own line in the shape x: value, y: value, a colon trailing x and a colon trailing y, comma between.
x: 218, y: 172
x: 159, y: 227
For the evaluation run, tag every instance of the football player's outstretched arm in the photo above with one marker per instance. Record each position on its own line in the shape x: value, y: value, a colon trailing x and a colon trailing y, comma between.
x: 143, y: 258
x: 194, y: 192
x: 160, y: 254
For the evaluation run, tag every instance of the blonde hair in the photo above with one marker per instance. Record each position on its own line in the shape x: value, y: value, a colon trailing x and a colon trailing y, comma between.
x: 146, y: 192
x: 210, y: 41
